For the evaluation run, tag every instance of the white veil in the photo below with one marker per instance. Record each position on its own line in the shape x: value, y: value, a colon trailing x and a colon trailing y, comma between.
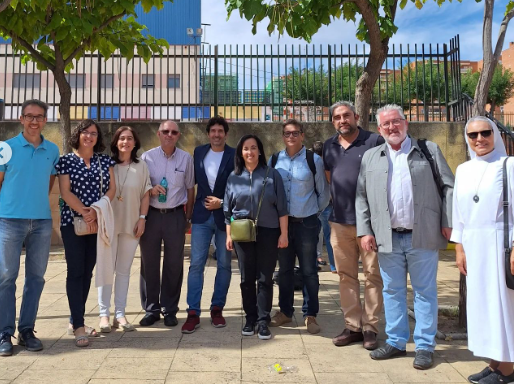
x: 499, y: 146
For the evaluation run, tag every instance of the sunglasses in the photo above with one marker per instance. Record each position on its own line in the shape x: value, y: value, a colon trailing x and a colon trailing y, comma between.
x: 167, y: 132
x: 484, y: 134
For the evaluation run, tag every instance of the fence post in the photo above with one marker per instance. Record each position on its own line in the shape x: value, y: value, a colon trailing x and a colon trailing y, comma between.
x: 99, y: 90
x: 446, y: 83
x: 329, y: 75
x: 215, y: 80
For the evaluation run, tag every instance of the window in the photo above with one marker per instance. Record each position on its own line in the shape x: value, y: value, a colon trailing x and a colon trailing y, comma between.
x: 107, y: 81
x: 76, y: 81
x: 27, y: 80
x: 148, y: 81
x: 173, y: 81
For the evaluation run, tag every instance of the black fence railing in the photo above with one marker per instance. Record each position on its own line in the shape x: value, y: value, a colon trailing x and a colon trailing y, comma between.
x: 243, y: 83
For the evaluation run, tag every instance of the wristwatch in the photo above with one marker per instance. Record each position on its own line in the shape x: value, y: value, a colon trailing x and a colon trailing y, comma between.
x: 188, y: 221
x: 142, y: 216
x: 221, y: 203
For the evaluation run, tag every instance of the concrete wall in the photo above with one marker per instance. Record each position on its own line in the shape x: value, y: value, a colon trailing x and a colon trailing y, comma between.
x: 449, y: 137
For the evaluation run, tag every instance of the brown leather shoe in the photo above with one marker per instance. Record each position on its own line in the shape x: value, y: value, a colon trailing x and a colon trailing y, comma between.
x: 347, y: 337
x: 370, y: 340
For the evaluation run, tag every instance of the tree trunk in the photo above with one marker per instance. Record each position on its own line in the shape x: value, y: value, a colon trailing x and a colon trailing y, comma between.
x: 490, y: 58
x: 64, y: 107
x: 366, y: 83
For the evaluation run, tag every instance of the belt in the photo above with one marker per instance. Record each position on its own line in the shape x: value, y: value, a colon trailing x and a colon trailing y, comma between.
x: 402, y: 230
x: 293, y: 219
x: 167, y: 210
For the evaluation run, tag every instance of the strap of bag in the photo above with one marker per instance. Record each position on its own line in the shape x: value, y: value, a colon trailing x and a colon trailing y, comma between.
x: 262, y: 195
x: 437, y: 178
x: 101, y: 177
x: 101, y: 183
x: 506, y: 242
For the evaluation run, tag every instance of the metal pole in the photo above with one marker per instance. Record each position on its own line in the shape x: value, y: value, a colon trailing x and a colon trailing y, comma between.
x: 99, y: 90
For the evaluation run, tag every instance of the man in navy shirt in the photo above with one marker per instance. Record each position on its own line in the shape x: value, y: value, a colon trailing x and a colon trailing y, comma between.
x: 342, y: 156
x: 25, y: 217
x: 213, y: 164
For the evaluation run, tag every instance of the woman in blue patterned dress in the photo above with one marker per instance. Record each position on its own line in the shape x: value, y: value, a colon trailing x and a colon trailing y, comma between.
x: 80, y: 182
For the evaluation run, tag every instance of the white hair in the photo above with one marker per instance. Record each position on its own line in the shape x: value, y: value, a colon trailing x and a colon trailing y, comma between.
x: 389, y: 107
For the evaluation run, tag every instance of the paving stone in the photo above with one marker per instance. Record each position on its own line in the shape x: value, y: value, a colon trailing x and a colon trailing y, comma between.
x: 38, y: 375
x: 125, y: 368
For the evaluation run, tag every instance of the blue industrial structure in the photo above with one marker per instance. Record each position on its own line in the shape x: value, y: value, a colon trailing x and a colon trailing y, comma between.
x: 171, y: 22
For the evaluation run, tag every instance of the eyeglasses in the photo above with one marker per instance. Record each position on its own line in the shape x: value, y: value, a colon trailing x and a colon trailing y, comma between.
x: 167, y: 132
x: 39, y: 118
x: 484, y: 134
x: 90, y: 134
x: 395, y: 122
x: 291, y: 133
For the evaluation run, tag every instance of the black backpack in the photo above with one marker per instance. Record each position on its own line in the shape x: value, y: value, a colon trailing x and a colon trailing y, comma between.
x: 310, y: 162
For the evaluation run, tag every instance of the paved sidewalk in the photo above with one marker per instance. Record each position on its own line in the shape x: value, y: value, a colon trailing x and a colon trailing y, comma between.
x: 164, y: 355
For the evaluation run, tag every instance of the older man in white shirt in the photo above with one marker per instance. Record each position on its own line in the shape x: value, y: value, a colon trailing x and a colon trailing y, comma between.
x: 403, y: 204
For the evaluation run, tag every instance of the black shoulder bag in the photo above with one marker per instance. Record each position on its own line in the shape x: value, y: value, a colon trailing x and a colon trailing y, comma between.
x: 509, y: 278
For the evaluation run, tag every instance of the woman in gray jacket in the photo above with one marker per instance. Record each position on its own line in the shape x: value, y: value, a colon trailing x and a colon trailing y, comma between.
x: 257, y: 259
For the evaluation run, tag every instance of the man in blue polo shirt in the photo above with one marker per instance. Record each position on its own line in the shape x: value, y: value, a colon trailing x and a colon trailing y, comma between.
x: 25, y: 217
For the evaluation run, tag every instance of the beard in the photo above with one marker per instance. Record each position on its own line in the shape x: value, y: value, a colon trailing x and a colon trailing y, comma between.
x: 347, y: 130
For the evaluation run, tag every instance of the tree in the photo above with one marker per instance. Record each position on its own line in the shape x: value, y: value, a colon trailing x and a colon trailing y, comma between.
x: 303, y: 18
x: 312, y: 84
x: 490, y: 58
x: 53, y: 33
x: 500, y: 91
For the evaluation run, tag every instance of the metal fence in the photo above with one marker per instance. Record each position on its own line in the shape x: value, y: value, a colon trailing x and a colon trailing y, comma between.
x: 241, y: 83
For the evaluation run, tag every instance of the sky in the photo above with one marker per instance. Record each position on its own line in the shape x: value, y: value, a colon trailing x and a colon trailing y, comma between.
x: 432, y: 24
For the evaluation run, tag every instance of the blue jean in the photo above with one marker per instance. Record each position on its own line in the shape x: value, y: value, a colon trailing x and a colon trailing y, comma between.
x: 421, y: 264
x: 323, y: 218
x: 36, y: 234
x: 303, y: 240
x: 201, y: 235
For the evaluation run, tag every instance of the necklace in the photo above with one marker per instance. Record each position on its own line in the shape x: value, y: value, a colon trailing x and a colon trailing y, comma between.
x: 120, y: 197
x: 476, y: 199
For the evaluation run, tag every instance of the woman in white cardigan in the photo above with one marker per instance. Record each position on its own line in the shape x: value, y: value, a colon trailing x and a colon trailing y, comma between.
x: 130, y: 207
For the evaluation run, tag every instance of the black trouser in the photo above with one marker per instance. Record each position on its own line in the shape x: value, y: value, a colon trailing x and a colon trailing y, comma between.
x: 303, y: 240
x: 170, y: 228
x: 80, y: 253
x: 257, y: 261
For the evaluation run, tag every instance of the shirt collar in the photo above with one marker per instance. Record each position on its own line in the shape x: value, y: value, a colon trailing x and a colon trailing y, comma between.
x: 166, y: 156
x: 300, y: 152
x: 25, y: 143
x: 360, y: 137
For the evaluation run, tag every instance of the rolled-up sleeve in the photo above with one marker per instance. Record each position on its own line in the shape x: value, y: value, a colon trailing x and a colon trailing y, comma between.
x: 280, y: 193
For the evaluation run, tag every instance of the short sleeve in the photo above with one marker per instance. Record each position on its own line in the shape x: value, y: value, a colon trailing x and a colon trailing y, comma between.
x: 63, y: 165
x: 56, y: 160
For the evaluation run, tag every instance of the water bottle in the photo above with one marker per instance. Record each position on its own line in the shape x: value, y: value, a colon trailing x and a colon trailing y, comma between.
x: 162, y: 196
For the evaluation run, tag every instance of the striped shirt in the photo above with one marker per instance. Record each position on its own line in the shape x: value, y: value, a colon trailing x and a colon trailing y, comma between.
x: 178, y: 170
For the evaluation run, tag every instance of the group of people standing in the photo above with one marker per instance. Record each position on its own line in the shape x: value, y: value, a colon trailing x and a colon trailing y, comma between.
x: 390, y: 201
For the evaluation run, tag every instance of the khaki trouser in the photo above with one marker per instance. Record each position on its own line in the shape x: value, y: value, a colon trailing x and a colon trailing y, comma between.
x: 347, y: 250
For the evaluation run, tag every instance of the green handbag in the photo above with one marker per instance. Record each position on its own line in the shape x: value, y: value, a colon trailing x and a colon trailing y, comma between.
x: 245, y: 230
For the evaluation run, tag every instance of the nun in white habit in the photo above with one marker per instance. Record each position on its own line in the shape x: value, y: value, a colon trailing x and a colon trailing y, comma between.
x: 478, y: 232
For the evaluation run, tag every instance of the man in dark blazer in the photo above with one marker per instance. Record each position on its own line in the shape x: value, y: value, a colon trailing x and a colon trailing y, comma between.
x: 213, y: 164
